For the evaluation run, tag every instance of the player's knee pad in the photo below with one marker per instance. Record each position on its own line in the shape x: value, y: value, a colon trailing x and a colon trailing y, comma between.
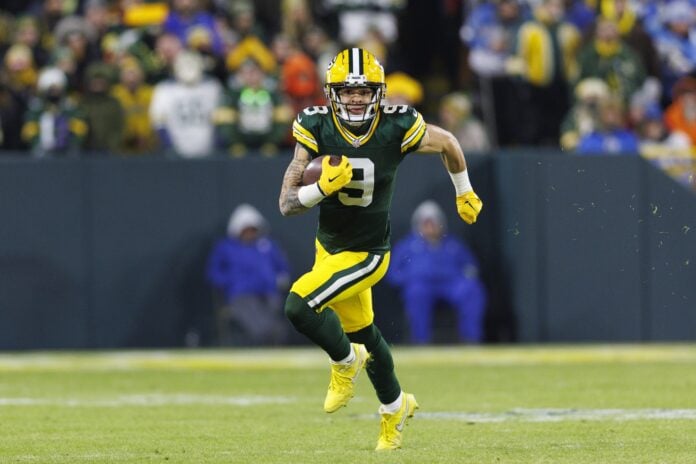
x: 296, y: 308
x: 303, y: 317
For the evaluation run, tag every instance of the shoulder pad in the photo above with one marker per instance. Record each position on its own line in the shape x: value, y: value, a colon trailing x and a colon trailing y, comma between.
x: 402, y: 115
x: 306, y: 125
x: 312, y: 114
x: 411, y: 123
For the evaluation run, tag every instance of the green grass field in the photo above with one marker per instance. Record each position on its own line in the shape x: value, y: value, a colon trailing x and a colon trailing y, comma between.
x: 552, y: 404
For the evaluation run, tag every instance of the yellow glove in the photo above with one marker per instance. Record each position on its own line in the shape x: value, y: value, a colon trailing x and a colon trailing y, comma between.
x: 469, y: 206
x: 334, y: 178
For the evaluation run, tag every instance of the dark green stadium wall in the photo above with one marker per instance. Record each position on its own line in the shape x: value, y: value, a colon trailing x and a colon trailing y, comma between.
x: 110, y: 253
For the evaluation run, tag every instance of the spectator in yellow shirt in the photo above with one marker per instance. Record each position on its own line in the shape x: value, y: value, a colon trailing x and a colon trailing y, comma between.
x: 135, y: 95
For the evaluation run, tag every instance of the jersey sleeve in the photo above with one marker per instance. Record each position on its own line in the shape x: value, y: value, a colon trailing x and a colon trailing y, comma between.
x: 304, y: 130
x: 414, y: 125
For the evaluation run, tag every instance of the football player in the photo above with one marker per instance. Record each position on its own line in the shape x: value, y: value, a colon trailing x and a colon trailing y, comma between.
x: 332, y: 303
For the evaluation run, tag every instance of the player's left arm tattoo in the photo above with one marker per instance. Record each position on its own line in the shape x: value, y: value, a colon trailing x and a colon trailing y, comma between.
x: 288, y: 202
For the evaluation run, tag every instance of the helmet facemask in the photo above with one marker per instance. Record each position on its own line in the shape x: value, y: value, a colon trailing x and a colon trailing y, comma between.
x: 341, y: 108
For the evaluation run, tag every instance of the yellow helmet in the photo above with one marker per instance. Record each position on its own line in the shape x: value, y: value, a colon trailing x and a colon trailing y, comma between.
x: 354, y: 67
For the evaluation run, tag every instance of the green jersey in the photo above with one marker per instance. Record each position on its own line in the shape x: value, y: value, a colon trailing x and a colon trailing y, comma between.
x: 357, y: 217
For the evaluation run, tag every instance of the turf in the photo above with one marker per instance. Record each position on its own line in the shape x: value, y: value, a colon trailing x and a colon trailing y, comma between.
x: 553, y: 404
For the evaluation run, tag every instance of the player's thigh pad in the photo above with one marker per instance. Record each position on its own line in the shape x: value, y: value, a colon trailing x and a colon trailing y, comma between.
x: 343, y: 282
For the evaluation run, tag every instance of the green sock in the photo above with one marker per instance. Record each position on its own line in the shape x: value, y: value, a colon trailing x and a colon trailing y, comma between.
x: 322, y: 328
x: 380, y: 366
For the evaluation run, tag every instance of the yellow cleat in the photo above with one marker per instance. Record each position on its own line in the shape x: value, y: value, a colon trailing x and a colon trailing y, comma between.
x: 393, y: 424
x: 343, y: 379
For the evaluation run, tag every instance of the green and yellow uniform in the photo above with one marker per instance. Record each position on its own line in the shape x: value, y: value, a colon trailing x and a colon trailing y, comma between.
x: 357, y: 218
x: 354, y: 230
x: 332, y: 303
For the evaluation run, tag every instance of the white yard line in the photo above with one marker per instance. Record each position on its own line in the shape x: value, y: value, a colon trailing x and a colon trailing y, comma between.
x: 514, y: 415
x: 556, y: 415
x: 151, y: 400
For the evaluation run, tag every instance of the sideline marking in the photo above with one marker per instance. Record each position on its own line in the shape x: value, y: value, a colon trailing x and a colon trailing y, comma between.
x: 311, y: 358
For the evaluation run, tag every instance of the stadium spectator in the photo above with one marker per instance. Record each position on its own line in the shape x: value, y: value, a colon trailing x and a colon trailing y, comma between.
x: 680, y: 115
x: 200, y: 40
x: 53, y: 125
x: 632, y: 32
x: 403, y: 89
x: 490, y: 33
x: 12, y: 109
x: 297, y: 19
x: 319, y: 45
x: 252, y: 48
x: 647, y: 98
x: 186, y: 18
x: 610, y: 137
x: 182, y: 109
x: 135, y: 97
x: 581, y: 14
x: 670, y: 151
x: 49, y: 14
x: 243, y: 21
x: 299, y: 80
x: 20, y: 70
x: 249, y: 270
x: 103, y: 112
x: 546, y: 60
x: 676, y: 41
x: 98, y: 17
x: 27, y: 33
x: 429, y: 266
x: 161, y: 66
x: 610, y: 59
x: 76, y: 35
x: 583, y: 116
x: 457, y: 117
x: 252, y: 116
x: 356, y: 18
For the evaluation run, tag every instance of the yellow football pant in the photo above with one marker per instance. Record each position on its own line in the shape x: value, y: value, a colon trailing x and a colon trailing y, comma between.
x: 343, y: 282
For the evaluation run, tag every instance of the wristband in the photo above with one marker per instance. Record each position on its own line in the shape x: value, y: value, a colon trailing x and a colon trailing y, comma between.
x: 461, y: 182
x: 310, y: 195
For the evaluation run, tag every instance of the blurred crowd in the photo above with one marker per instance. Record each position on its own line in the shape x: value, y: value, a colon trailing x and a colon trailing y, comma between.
x: 197, y: 78
x: 597, y: 77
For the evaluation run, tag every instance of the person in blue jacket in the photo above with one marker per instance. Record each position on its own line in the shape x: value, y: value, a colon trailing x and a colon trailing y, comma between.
x: 250, y: 271
x: 430, y: 266
x: 611, y: 136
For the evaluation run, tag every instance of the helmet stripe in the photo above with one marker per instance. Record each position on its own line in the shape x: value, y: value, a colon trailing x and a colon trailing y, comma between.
x: 356, y: 61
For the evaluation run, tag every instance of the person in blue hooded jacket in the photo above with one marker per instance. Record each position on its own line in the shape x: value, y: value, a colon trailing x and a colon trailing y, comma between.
x: 249, y: 270
x: 429, y: 266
